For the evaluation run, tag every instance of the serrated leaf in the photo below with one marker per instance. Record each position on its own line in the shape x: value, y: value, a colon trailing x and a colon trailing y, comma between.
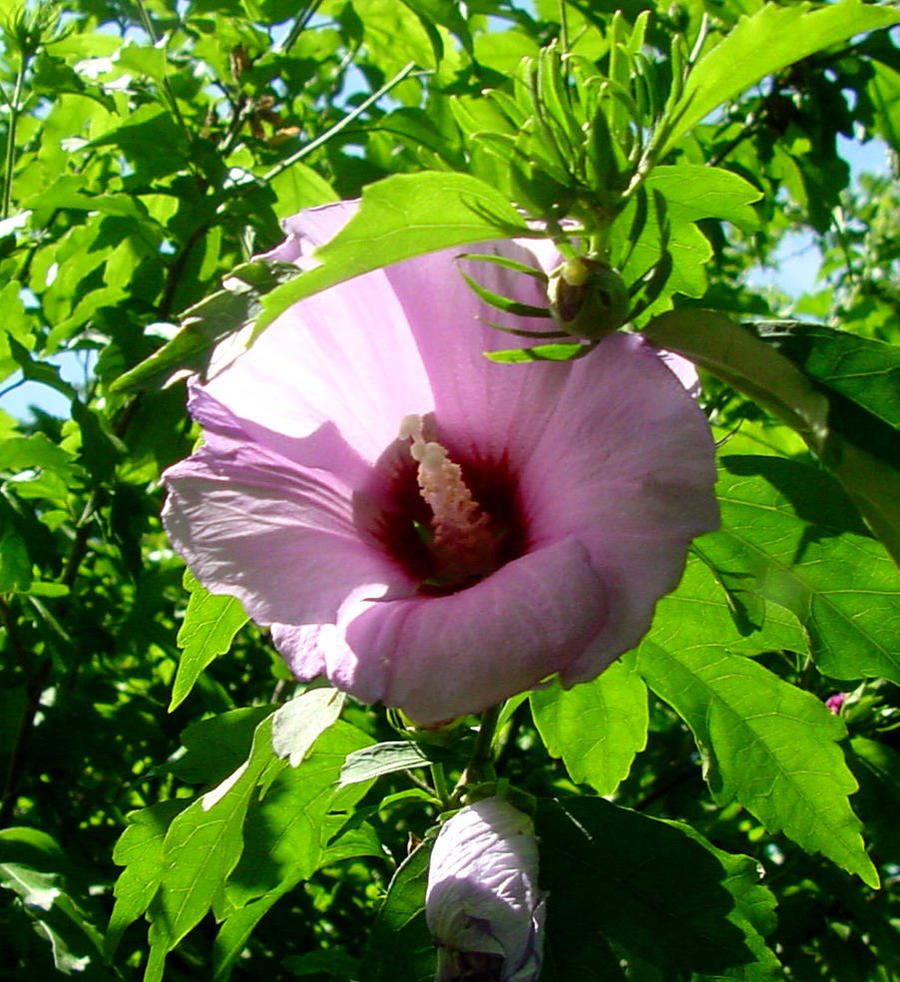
x: 753, y: 912
x: 403, y: 216
x: 597, y: 727
x: 241, y: 922
x: 21, y: 452
x: 864, y: 371
x: 790, y: 536
x: 400, y: 944
x: 640, y: 883
x: 764, y: 742
x: 286, y: 832
x: 140, y: 850
x: 769, y: 40
x: 202, y: 847
x: 209, y: 627
x: 388, y: 758
x: 742, y: 360
x: 215, y: 746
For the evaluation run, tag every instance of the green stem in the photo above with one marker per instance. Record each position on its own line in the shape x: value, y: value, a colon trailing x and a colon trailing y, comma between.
x: 329, y: 133
x: 481, y: 756
x: 440, y: 782
x: 300, y: 25
x: 10, y: 162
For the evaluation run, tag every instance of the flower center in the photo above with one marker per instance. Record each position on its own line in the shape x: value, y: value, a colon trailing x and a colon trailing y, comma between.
x: 460, y: 539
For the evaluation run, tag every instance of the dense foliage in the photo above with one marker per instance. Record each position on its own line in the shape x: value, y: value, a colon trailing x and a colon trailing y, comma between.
x: 702, y: 813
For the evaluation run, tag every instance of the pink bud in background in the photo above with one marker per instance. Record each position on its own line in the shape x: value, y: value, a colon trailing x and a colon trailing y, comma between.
x: 483, y: 905
x: 835, y: 702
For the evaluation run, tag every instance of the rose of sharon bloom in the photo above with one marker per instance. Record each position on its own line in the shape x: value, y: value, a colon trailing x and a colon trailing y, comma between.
x: 482, y: 905
x: 421, y: 525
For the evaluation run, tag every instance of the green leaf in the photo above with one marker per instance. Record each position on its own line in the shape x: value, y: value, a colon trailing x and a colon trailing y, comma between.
x: 400, y: 944
x: 241, y: 922
x: 877, y: 768
x: 208, y: 629
x: 215, y: 746
x: 388, y: 758
x: 694, y: 191
x: 403, y: 216
x: 22, y: 452
x: 753, y: 912
x: 15, y: 562
x: 213, y: 332
x: 202, y: 847
x: 75, y: 942
x: 38, y: 371
x: 764, y: 742
x: 140, y: 851
x: 866, y: 372
x: 790, y: 536
x: 640, y: 883
x: 596, y: 727
x: 239, y: 925
x: 286, y: 832
x: 769, y: 40
x: 299, y: 723
x: 720, y: 346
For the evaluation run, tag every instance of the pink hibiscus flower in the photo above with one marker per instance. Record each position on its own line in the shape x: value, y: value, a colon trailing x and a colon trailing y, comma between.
x: 423, y: 526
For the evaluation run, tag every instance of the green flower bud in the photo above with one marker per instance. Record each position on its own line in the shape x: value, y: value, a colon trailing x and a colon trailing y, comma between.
x: 587, y: 298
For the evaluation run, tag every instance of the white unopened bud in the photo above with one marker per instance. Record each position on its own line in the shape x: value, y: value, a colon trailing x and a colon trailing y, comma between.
x: 483, y: 905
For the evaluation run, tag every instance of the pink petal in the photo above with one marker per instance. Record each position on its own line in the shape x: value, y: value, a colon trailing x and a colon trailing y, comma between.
x: 627, y: 466
x: 344, y: 356
x: 438, y: 657
x: 308, y: 230
x: 278, y: 536
x: 482, y: 408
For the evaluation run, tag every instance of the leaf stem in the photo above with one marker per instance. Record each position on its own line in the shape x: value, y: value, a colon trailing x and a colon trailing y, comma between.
x: 168, y: 91
x: 481, y: 765
x: 440, y: 782
x: 10, y: 161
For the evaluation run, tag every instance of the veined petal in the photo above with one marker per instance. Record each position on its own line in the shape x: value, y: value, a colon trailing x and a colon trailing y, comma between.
x: 438, y: 657
x: 344, y: 356
x: 279, y: 537
x: 482, y: 408
x: 626, y: 466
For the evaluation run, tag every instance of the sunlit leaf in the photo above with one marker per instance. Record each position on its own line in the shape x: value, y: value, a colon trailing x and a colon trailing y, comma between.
x: 791, y: 537
x: 765, y: 743
x: 596, y: 727
x: 403, y: 216
x: 209, y: 627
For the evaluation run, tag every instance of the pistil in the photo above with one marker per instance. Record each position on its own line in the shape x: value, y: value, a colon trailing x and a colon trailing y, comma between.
x: 462, y: 542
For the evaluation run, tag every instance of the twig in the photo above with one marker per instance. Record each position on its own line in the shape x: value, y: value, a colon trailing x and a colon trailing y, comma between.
x: 329, y: 133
